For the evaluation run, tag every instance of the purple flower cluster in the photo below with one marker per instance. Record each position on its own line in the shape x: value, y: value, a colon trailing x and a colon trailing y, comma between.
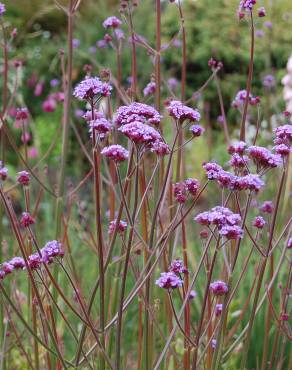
x: 2, y: 9
x: 238, y: 161
x: 269, y: 81
x: 247, y: 4
x: 121, y: 227
x: 177, y: 267
x: 219, y: 288
x: 159, y: 147
x: 100, y: 126
x: 263, y: 157
x: 218, y: 309
x: 230, y: 181
x: 259, y: 222
x: 91, y: 87
x: 183, y: 189
x: 26, y: 219
x: 240, y: 99
x: 140, y: 133
x: 23, y: 178
x: 149, y: 89
x: 169, y: 280
x: 197, y: 130
x: 115, y: 152
x: 238, y: 147
x: 181, y: 112
x: 112, y: 22
x: 3, y: 172
x: 267, y: 207
x: 137, y: 112
x: 283, y: 139
x: 226, y: 221
x: 48, y: 253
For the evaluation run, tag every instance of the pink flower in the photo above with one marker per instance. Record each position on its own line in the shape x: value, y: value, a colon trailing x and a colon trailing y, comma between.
x: 177, y: 267
x: 261, y: 12
x: 231, y: 232
x: 91, y: 87
x: 137, y: 112
x: 23, y: 178
x: 197, y: 130
x: 169, y: 280
x: 115, y: 152
x: 49, y: 105
x: 267, y: 206
x: 26, y: 220
x: 259, y: 222
x: 112, y: 22
x: 219, y: 288
x: 39, y: 88
x: 149, y: 89
x: 121, y: 227
x: 140, y: 133
x: 32, y: 152
x: 3, y: 172
x: 181, y: 112
x: 159, y: 147
x: 218, y: 309
x: 22, y: 114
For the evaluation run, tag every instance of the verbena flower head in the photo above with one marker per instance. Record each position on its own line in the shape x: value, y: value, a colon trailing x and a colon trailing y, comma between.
x: 238, y: 161
x: 259, y: 222
x: 237, y: 147
x: 180, y: 192
x: 159, y: 147
x: 261, y: 12
x: 17, y: 263
x: 212, y: 170
x: 289, y: 244
x: 26, y: 219
x: 121, y: 227
x: 193, y: 294
x: 22, y: 114
x: 34, y: 261
x: 23, y: 178
x: 247, y: 4
x: 219, y: 216
x: 7, y: 267
x: 112, y: 22
x: 192, y: 186
x: 283, y: 135
x: 269, y: 81
x: 169, y: 280
x: 218, y: 309
x: 140, y: 133
x: 100, y: 126
x: 213, y: 343
x: 115, y: 152
x: 91, y: 87
x: 177, y: 267
x: 219, y: 288
x: 3, y: 172
x: 249, y: 182
x: 231, y: 232
x: 263, y: 157
x: 240, y: 99
x: 51, y: 250
x: 137, y: 112
x: 282, y: 150
x: 2, y: 9
x: 267, y: 207
x: 181, y: 112
x: 149, y: 89
x: 197, y: 130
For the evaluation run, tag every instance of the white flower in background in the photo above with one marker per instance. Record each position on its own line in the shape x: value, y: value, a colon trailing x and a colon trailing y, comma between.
x: 287, y: 82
